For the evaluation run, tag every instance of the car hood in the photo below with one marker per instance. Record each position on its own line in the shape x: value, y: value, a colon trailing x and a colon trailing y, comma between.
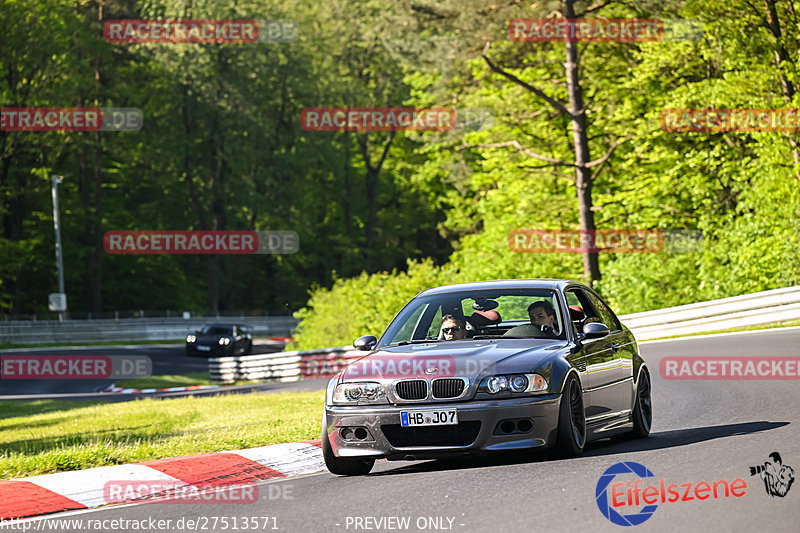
x: 469, y: 359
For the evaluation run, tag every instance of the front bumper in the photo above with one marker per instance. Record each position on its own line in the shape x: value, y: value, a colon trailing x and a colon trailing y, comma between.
x: 215, y: 350
x: 396, y: 442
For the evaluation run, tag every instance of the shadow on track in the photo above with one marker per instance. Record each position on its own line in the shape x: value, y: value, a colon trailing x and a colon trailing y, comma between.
x: 656, y: 441
x: 678, y: 437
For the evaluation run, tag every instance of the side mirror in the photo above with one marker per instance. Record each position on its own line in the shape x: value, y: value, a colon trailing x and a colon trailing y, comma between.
x: 365, y: 343
x: 595, y: 330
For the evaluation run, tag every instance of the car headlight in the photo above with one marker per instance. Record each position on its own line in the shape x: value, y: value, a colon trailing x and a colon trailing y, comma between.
x: 358, y: 392
x: 513, y: 383
x: 496, y: 383
x: 191, y: 338
x: 224, y: 341
x: 518, y: 383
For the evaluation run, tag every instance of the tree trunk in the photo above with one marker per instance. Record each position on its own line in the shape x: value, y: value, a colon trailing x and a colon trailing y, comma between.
x: 583, y: 176
x: 373, y: 174
x: 782, y: 62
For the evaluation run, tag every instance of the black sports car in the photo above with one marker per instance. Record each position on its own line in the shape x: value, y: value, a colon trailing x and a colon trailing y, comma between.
x: 220, y: 339
x: 489, y: 366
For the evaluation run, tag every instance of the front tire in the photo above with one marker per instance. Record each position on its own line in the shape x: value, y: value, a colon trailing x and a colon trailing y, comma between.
x: 339, y: 465
x: 643, y: 408
x: 571, y: 419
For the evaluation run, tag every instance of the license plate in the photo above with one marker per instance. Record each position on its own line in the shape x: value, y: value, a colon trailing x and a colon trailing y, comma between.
x: 204, y: 348
x: 440, y: 417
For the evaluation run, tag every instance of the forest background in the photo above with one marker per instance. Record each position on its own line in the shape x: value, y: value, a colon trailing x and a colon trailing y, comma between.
x: 383, y: 215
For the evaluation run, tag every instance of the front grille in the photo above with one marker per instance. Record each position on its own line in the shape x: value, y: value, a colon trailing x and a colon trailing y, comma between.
x: 447, y: 388
x: 461, y: 434
x: 413, y: 389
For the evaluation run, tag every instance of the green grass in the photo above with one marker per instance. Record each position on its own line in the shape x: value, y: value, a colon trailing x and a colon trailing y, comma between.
x: 50, y: 436
x: 183, y: 380
x: 163, y: 382
x: 773, y: 325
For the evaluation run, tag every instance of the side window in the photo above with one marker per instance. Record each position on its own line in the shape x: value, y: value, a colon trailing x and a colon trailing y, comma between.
x: 604, y: 312
x: 577, y: 297
x: 436, y: 324
x: 572, y: 299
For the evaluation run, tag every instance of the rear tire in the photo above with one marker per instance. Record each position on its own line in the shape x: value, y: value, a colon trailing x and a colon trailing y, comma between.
x: 339, y: 465
x: 571, y: 419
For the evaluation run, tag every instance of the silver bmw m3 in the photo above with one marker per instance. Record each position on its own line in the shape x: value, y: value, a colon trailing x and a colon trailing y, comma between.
x: 489, y: 366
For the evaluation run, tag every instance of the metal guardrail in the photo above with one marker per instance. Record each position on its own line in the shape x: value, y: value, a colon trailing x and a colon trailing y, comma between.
x: 750, y: 309
x: 133, y: 329
x: 747, y: 310
x: 282, y: 366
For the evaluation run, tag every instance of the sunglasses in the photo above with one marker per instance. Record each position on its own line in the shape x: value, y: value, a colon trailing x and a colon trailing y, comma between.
x: 452, y: 330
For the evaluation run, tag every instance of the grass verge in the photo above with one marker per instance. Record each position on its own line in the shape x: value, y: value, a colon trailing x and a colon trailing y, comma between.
x: 51, y: 436
x: 183, y: 380
x: 163, y: 382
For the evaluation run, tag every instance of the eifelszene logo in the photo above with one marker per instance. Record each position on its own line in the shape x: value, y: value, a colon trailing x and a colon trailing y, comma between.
x: 778, y: 477
x: 628, y: 493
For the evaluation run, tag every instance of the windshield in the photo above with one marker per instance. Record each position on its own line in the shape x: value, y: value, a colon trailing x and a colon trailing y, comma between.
x: 216, y: 330
x: 480, y: 313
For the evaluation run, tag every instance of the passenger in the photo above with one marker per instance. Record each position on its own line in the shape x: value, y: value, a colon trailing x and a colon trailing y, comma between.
x: 543, y: 322
x: 454, y: 328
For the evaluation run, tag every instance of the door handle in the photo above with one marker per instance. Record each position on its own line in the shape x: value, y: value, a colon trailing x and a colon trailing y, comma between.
x: 615, y: 346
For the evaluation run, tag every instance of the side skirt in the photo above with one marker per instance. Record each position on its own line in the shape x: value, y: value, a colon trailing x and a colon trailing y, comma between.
x: 608, y: 425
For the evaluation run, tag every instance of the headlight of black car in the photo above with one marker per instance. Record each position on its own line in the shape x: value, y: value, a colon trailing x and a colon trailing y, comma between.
x: 359, y: 393
x: 512, y: 384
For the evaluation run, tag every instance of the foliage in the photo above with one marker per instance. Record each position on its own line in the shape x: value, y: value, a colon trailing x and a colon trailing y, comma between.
x: 222, y: 148
x: 738, y: 190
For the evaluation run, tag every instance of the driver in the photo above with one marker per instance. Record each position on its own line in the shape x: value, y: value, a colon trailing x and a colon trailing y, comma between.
x: 543, y: 322
x: 454, y: 328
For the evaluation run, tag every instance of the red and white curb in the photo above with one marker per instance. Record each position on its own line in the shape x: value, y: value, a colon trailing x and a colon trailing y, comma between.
x: 84, y: 489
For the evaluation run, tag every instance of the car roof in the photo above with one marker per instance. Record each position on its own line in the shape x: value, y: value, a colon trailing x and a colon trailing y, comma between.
x: 555, y: 284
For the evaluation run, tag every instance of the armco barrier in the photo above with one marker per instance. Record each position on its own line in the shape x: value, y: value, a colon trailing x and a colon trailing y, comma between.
x: 282, y: 366
x: 133, y: 329
x: 747, y: 310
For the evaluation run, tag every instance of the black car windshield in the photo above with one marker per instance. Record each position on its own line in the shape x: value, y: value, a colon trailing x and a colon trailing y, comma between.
x: 216, y: 330
x: 486, y: 314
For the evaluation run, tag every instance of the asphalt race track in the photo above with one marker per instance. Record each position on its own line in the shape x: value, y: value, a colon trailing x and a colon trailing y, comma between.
x: 703, y: 431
